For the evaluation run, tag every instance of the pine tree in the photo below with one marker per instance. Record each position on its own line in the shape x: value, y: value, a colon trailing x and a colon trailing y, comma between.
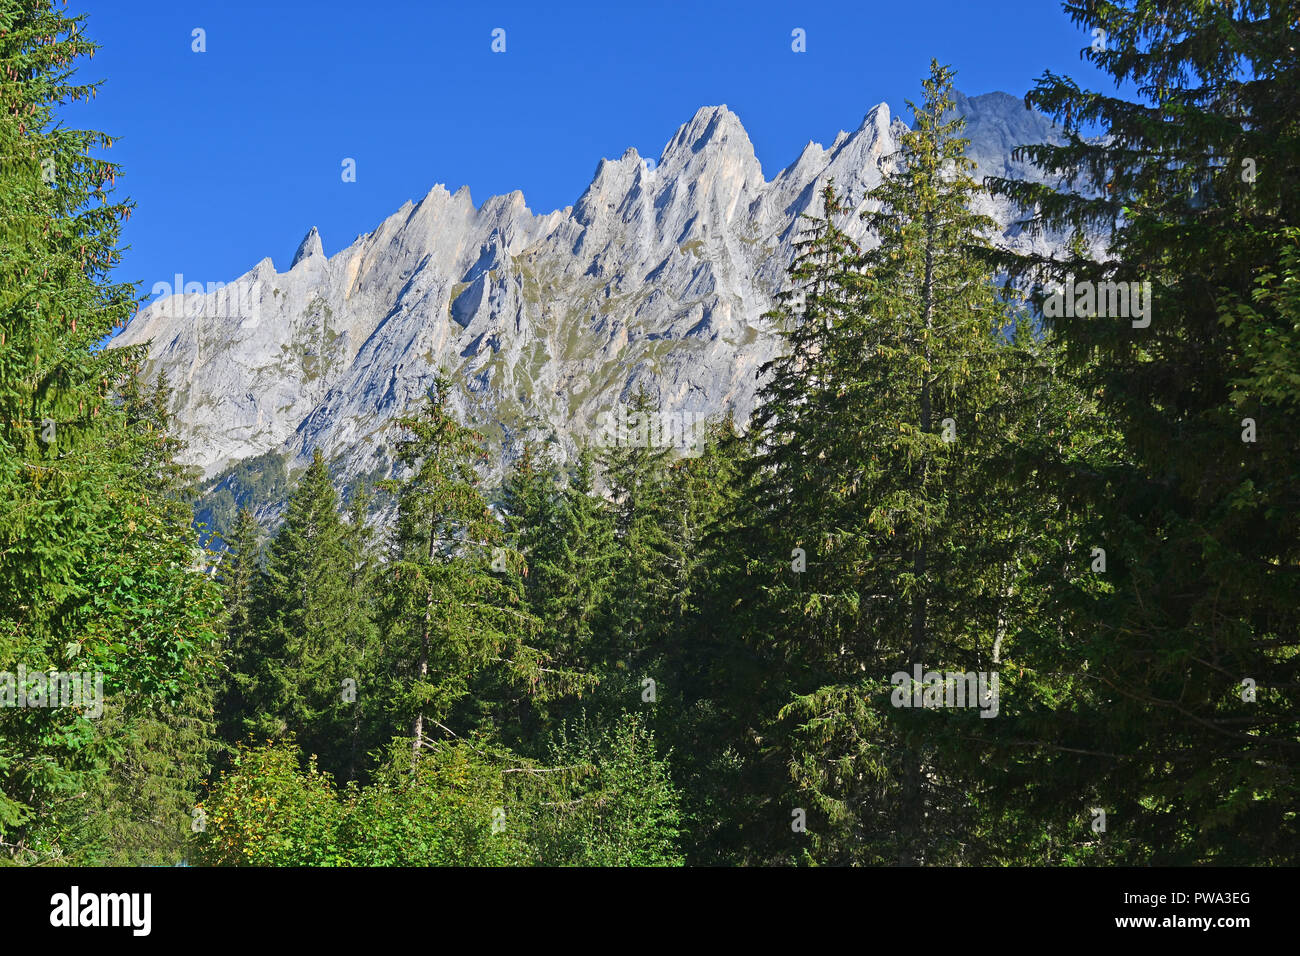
x: 881, y: 460
x: 557, y: 530
x: 359, y: 714
x: 718, y: 686
x: 454, y: 606
x: 578, y: 571
x: 768, y: 607
x: 529, y: 499
x: 926, y: 351
x: 1195, y: 186
x: 298, y: 657
x: 94, y: 564
x: 239, y: 574
x: 799, y: 428
x: 642, y: 589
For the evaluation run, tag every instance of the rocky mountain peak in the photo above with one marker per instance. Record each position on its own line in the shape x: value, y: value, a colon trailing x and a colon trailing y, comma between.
x: 310, y: 246
x: 711, y: 125
x: 657, y: 277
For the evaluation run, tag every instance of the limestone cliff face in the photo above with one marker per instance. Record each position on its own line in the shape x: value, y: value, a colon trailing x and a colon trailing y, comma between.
x: 659, y: 275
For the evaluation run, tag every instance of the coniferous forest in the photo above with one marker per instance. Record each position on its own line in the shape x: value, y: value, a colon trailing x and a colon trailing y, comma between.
x: 749, y: 655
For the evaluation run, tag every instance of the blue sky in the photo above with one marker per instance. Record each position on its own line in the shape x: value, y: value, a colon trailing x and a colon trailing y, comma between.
x: 234, y: 153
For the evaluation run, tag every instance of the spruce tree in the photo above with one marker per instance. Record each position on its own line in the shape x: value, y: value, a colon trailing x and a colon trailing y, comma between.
x: 642, y: 582
x: 298, y: 657
x: 1183, y: 648
x: 557, y: 530
x: 239, y: 574
x: 881, y: 459
x: 578, y: 571
x: 768, y: 604
x: 453, y: 607
x: 359, y: 713
x: 96, y: 570
x: 714, y: 679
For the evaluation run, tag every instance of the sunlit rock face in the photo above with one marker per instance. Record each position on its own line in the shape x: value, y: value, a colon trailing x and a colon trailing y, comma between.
x: 659, y: 275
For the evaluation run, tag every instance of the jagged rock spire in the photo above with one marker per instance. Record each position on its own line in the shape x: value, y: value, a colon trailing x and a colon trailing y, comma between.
x: 310, y: 246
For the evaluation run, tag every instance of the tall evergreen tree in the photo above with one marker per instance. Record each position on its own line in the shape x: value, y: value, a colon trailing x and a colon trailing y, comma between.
x: 635, y: 466
x: 95, y: 569
x: 557, y: 530
x: 576, y: 574
x: 239, y: 574
x: 708, y: 664
x: 880, y: 461
x: 924, y: 351
x: 1183, y: 649
x: 454, y: 606
x: 299, y: 657
x: 765, y: 619
x: 359, y: 714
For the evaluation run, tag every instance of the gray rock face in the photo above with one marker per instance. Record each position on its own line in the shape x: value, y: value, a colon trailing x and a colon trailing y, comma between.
x: 310, y: 246
x: 659, y: 275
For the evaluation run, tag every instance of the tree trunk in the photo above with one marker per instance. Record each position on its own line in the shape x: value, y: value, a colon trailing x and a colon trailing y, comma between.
x: 422, y: 669
x: 912, y: 852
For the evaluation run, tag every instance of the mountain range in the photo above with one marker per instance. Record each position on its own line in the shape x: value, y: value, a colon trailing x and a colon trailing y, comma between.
x: 658, y: 276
